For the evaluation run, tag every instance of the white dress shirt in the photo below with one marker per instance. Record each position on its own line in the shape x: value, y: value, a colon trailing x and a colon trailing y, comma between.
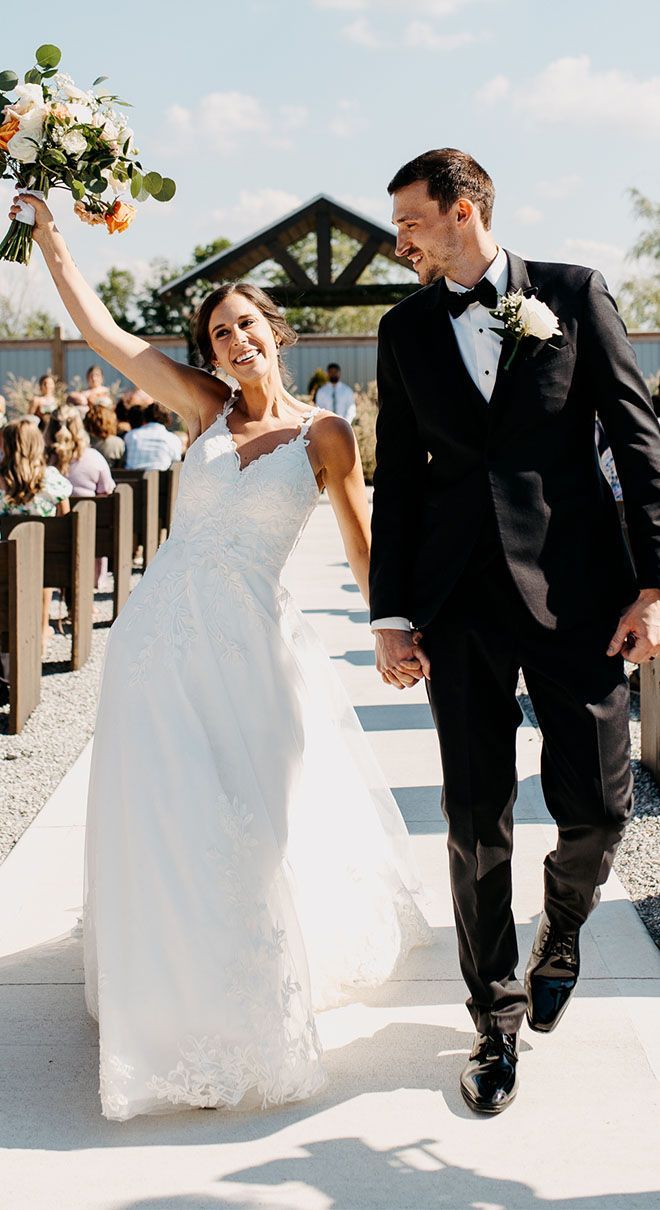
x: 151, y: 448
x: 336, y: 397
x: 480, y: 349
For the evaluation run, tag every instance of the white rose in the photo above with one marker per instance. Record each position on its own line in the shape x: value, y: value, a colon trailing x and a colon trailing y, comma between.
x: 22, y: 146
x: 80, y: 113
x: 74, y: 142
x: 30, y: 97
x: 538, y: 320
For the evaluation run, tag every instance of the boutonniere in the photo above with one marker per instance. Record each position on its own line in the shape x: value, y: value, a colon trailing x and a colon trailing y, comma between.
x: 521, y: 317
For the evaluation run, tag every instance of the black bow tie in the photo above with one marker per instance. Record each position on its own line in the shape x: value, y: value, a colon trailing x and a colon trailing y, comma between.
x: 484, y: 292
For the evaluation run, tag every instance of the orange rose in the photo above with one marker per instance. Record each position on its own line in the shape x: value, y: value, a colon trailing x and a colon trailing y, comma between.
x: 120, y: 217
x: 8, y: 130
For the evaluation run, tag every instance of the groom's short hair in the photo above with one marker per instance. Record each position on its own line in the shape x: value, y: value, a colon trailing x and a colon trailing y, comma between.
x: 449, y: 174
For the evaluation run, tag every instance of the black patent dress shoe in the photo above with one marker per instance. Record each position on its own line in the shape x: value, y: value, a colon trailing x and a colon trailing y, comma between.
x: 551, y: 975
x: 489, y: 1082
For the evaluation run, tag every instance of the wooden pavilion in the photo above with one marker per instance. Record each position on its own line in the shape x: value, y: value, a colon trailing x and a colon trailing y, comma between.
x: 318, y: 287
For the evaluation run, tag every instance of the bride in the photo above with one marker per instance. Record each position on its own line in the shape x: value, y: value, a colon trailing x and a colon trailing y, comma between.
x: 245, y: 862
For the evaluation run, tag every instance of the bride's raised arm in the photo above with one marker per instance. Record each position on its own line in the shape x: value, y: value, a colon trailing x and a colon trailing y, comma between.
x: 191, y: 393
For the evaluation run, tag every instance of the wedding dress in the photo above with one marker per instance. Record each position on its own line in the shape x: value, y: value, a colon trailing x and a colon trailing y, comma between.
x: 245, y: 862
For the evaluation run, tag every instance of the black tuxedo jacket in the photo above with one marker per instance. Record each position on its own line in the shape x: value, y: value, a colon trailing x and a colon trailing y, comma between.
x: 447, y: 461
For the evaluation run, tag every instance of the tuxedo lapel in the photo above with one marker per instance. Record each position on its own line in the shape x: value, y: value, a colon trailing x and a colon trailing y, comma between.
x: 518, y: 280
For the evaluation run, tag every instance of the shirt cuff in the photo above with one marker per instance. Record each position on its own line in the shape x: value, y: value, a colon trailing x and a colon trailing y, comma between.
x: 391, y: 624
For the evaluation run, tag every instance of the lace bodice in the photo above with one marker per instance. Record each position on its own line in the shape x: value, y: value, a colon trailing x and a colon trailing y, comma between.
x: 251, y: 516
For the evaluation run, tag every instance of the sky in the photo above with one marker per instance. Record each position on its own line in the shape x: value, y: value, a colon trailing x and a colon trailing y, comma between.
x: 254, y: 107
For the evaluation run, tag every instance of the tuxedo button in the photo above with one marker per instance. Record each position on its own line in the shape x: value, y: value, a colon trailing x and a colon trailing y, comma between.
x: 486, y: 371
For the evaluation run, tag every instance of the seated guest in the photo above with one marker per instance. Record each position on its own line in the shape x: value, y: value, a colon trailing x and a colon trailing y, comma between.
x: 150, y: 447
x: 97, y: 391
x: 68, y: 449
x: 43, y: 404
x: 29, y: 487
x: 78, y: 399
x: 101, y: 425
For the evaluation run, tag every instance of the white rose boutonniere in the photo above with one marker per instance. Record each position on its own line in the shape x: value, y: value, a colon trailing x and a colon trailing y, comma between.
x: 521, y: 317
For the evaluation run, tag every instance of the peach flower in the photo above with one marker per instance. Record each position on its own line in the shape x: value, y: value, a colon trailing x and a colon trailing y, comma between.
x: 120, y: 217
x: 86, y: 215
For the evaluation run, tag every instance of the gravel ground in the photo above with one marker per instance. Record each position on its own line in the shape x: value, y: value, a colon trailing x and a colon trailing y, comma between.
x: 33, y: 763
x: 638, y: 858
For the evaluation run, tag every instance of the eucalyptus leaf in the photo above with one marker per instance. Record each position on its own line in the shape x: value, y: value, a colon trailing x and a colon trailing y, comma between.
x: 166, y: 191
x: 100, y: 80
x: 4, y: 101
x: 8, y: 80
x: 33, y: 76
x: 78, y: 190
x: 48, y: 55
x: 49, y: 73
x: 153, y: 183
x: 136, y: 184
x: 97, y: 185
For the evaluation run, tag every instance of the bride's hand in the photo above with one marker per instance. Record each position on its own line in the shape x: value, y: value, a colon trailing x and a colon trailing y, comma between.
x: 43, y: 217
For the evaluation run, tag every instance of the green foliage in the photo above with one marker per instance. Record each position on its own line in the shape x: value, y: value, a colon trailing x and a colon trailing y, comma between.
x: 17, y: 323
x: 364, y: 427
x: 639, y: 296
x: 117, y: 291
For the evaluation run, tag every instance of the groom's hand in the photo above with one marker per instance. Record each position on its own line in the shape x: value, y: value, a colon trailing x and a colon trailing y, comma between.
x: 637, y: 637
x: 399, y: 659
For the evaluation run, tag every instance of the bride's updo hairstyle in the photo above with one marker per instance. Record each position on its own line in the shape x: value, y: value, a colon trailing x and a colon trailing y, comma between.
x: 282, y: 331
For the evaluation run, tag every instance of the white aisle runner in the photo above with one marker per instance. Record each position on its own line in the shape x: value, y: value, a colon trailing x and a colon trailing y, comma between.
x: 390, y: 1129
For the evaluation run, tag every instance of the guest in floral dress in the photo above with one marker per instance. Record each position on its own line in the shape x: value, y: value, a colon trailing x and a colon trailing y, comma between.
x: 31, y: 488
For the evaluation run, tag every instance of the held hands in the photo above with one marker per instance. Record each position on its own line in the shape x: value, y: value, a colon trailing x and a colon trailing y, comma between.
x: 400, y: 659
x: 637, y: 637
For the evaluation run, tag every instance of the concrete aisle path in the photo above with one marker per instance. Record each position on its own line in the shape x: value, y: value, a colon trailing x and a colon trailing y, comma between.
x: 390, y: 1129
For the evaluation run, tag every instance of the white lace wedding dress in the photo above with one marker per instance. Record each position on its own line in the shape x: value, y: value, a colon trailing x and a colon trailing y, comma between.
x: 245, y: 861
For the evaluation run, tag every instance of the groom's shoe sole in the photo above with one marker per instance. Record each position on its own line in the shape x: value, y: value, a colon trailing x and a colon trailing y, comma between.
x: 491, y: 1112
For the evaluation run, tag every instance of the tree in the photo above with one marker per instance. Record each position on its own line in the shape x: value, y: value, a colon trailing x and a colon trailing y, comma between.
x: 118, y: 291
x: 639, y: 297
x: 18, y: 323
x: 140, y: 308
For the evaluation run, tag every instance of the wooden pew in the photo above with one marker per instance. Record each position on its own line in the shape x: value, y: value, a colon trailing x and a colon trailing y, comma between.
x: 114, y: 538
x: 168, y: 487
x: 21, y: 586
x: 144, y: 485
x: 69, y: 563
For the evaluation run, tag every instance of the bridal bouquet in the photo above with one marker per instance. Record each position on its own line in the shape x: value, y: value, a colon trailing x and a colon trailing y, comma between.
x: 54, y: 135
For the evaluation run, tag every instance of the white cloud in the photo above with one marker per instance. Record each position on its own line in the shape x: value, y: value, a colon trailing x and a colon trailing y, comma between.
x: 376, y: 208
x: 608, y: 258
x: 528, y: 215
x: 362, y: 33
x: 560, y: 187
x: 347, y: 121
x: 421, y: 34
x: 294, y: 116
x: 493, y: 90
x: 571, y: 91
x: 222, y: 120
x: 434, y: 8
x: 254, y: 210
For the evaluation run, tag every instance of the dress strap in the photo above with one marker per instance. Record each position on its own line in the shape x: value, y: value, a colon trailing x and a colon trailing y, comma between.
x: 308, y: 420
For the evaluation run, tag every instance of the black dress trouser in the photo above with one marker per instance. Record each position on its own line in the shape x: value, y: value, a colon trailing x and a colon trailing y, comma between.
x: 482, y: 636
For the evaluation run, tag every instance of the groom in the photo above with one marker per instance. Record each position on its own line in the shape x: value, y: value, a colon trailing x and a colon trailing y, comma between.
x: 497, y: 546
